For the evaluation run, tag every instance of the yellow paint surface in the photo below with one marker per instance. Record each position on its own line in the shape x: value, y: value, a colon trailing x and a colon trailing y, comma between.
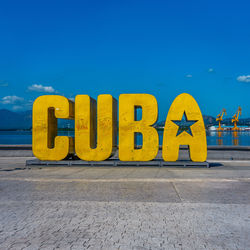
x: 171, y: 142
x: 46, y: 144
x: 128, y: 127
x: 88, y: 147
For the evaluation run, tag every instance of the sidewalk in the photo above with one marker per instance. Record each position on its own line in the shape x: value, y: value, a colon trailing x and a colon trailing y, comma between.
x: 124, y: 208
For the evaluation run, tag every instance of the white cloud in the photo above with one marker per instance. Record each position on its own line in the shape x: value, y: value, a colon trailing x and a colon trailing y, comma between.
x: 189, y: 76
x: 41, y: 88
x: 29, y: 103
x: 4, y: 83
x: 210, y: 70
x: 17, y: 107
x: 244, y: 78
x: 11, y: 99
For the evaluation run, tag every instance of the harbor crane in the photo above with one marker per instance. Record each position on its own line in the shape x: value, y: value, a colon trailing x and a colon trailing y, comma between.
x: 220, y: 118
x: 236, y: 119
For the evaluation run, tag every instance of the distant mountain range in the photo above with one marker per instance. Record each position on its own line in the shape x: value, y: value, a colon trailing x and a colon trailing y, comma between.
x: 11, y: 120
x: 15, y: 120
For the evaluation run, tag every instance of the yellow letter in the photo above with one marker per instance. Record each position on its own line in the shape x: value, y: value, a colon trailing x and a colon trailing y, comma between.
x: 45, y: 142
x: 184, y: 126
x: 85, y: 127
x: 128, y: 127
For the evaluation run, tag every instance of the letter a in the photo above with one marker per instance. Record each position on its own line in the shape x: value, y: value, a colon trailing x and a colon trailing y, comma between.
x: 184, y: 126
x: 128, y: 127
x: 46, y: 144
x: 88, y: 146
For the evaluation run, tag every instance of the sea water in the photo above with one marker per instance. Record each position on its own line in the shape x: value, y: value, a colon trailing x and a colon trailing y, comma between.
x: 213, y: 138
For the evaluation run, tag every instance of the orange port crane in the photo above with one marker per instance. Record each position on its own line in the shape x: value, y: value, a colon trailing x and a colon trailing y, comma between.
x: 220, y: 118
x: 236, y: 119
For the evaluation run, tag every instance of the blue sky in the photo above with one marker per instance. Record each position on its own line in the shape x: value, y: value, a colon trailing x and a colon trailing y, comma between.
x: 111, y: 47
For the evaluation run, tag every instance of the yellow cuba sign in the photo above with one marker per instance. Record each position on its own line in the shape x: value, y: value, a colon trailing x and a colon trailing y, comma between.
x: 96, y: 125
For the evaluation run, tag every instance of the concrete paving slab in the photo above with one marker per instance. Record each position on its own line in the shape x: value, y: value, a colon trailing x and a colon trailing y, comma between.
x: 94, y: 191
x: 234, y: 192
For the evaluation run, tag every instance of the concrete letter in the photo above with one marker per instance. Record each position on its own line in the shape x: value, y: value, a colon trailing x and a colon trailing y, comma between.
x: 128, y: 127
x: 89, y: 146
x: 45, y: 142
x: 190, y: 131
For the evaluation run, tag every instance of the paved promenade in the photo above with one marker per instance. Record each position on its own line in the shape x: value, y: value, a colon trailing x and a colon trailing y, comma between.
x: 124, y: 208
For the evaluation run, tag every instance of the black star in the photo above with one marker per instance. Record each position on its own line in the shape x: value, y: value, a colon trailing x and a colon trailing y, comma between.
x: 184, y: 124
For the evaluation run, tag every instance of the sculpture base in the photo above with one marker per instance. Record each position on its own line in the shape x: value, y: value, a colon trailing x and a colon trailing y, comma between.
x: 116, y: 162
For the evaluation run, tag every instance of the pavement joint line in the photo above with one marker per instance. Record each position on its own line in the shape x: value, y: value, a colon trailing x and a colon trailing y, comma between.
x: 162, y: 180
x: 130, y: 172
x: 75, y: 172
x: 177, y: 192
x: 157, y: 173
x: 105, y: 174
